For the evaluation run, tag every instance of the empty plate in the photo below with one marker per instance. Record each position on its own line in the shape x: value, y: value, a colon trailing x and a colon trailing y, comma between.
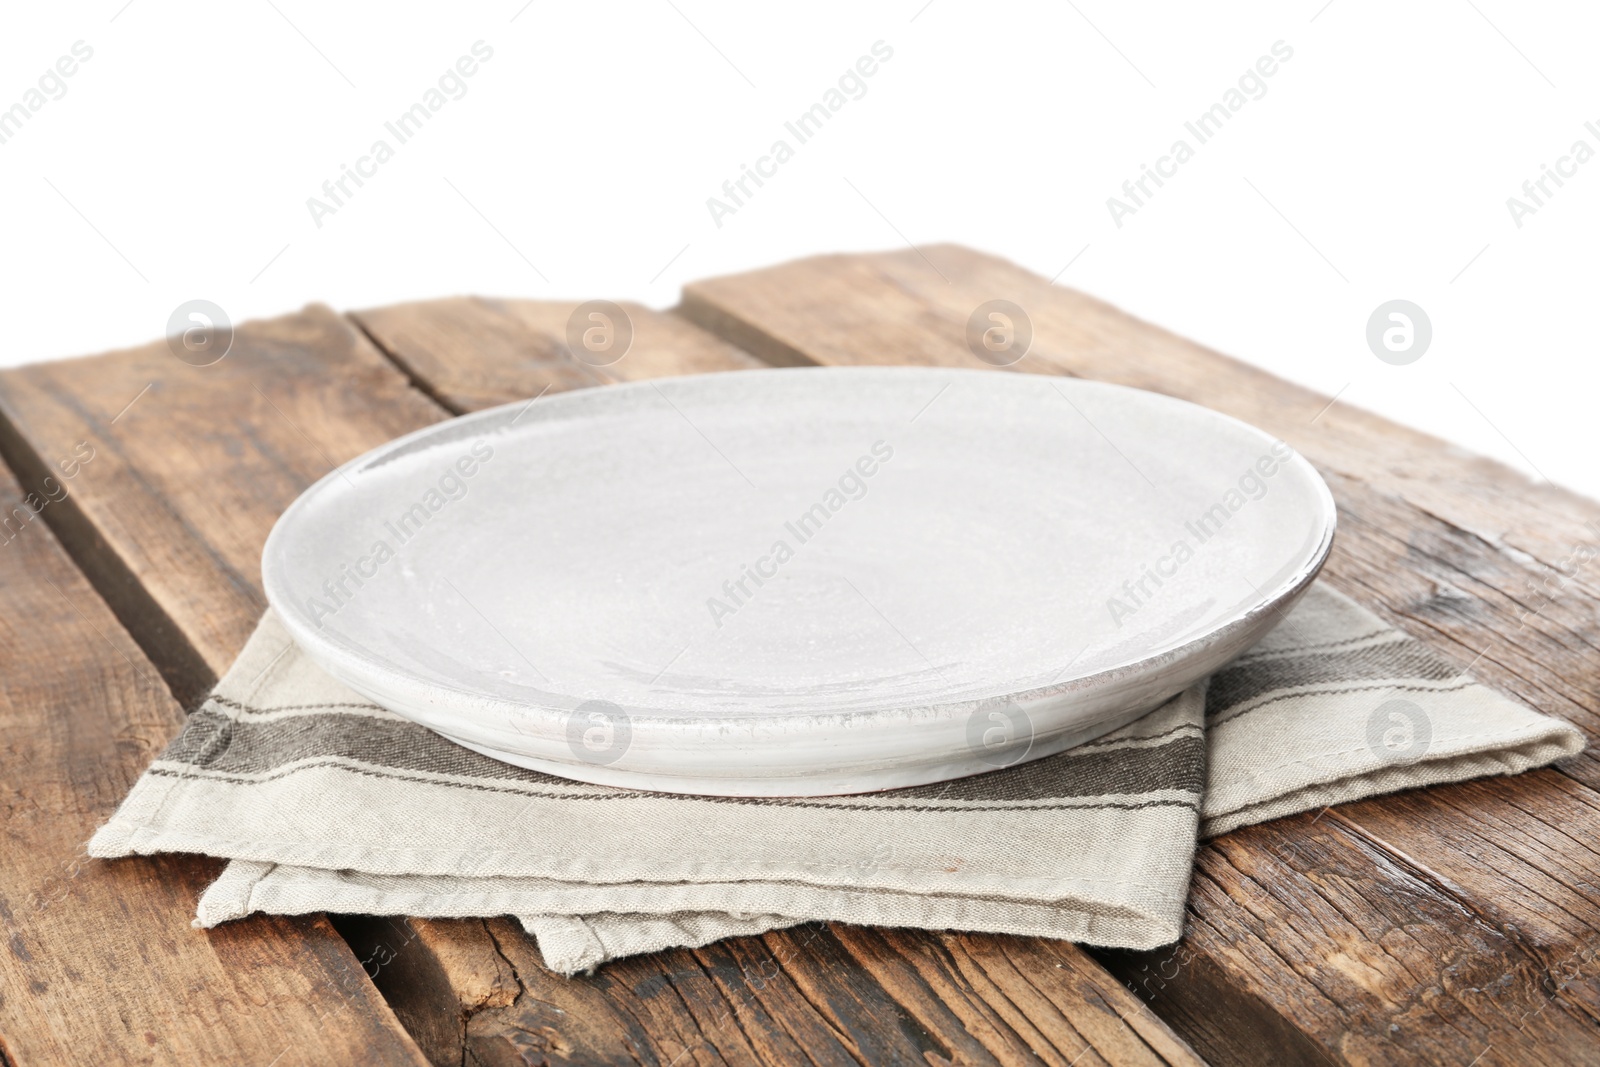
x: 798, y: 582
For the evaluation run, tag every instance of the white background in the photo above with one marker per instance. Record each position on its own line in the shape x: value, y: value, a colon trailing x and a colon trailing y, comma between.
x: 1377, y: 166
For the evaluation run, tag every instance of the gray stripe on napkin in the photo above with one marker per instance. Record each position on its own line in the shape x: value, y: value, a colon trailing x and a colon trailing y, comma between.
x: 324, y: 802
x: 1402, y: 658
x: 218, y: 741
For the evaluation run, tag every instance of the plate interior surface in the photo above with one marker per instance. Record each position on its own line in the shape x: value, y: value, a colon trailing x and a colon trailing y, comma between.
x: 786, y: 551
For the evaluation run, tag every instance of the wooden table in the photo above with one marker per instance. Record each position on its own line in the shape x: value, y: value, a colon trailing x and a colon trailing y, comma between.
x: 1452, y: 925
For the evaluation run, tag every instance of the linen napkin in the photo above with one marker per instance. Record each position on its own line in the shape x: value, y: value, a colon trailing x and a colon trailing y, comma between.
x: 324, y: 802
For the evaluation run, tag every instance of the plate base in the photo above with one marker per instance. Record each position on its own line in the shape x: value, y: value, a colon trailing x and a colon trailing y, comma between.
x: 816, y: 783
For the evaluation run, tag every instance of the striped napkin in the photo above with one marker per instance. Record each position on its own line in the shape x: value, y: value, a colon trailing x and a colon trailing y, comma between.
x: 322, y: 801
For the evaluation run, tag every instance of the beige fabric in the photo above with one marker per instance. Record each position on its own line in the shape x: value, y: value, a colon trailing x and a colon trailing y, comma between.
x: 324, y: 802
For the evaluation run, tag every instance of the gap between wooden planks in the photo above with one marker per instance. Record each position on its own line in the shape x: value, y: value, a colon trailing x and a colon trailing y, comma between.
x: 1445, y: 925
x: 1380, y: 932
x: 1308, y: 923
x: 101, y: 964
x: 169, y: 522
x: 1377, y: 934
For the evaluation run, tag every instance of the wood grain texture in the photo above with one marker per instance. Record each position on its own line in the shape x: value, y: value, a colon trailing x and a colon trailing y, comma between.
x: 815, y: 994
x: 167, y: 520
x: 452, y: 970
x: 471, y: 353
x: 1439, y: 926
x: 191, y: 487
x: 101, y: 964
x: 475, y: 353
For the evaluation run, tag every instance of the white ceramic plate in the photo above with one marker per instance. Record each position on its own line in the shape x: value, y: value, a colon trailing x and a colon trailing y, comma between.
x: 798, y: 582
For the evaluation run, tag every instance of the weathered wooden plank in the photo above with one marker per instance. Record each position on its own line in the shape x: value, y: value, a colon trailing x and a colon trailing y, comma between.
x: 893, y: 308
x: 824, y: 995
x: 451, y: 972
x: 167, y: 520
x: 1013, y: 992
x: 193, y: 486
x: 101, y: 964
x: 472, y: 353
x: 1379, y: 932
